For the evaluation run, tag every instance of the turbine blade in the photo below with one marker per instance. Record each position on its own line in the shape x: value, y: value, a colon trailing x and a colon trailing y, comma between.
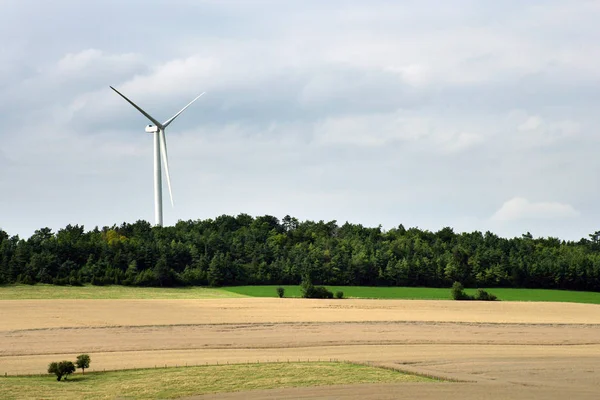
x: 167, y: 122
x: 165, y: 158
x: 138, y: 108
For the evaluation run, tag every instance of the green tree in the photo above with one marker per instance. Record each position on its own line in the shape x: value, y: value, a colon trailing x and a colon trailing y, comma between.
x: 218, y: 270
x: 262, y: 250
x: 53, y: 369
x: 83, y: 362
x: 164, y: 274
x: 61, y: 369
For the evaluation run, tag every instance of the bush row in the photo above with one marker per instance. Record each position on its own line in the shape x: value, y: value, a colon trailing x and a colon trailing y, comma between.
x: 458, y: 293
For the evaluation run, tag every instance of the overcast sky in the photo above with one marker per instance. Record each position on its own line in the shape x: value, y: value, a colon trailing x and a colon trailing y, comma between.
x: 479, y: 115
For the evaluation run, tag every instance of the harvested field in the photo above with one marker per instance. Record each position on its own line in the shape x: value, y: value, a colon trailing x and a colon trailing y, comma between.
x: 546, y: 349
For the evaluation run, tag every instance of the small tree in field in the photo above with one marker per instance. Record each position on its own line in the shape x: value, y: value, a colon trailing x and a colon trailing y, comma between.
x: 60, y: 369
x: 83, y: 362
x: 280, y: 292
x: 66, y: 367
x: 53, y: 369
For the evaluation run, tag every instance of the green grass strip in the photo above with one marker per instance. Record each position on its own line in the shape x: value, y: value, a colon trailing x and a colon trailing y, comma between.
x: 420, y: 293
x: 189, y: 381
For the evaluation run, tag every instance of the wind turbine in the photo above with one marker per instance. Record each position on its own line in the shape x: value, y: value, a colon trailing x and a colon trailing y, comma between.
x: 160, y: 151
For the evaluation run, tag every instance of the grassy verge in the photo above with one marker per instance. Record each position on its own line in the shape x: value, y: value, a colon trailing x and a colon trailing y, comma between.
x: 543, y: 295
x: 364, y: 292
x: 42, y: 291
x: 180, y: 382
x: 414, y: 293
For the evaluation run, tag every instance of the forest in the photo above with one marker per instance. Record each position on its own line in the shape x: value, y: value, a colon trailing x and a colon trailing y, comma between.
x: 246, y: 250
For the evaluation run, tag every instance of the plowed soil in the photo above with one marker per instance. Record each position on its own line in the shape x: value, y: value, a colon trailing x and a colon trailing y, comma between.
x: 495, y: 349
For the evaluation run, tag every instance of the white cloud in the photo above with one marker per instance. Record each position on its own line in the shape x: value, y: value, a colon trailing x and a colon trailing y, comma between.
x: 384, y: 129
x: 460, y: 141
x: 90, y: 63
x: 370, y: 130
x: 534, y: 130
x: 73, y: 62
x: 519, y: 208
x: 531, y: 123
x: 175, y: 77
x: 413, y: 74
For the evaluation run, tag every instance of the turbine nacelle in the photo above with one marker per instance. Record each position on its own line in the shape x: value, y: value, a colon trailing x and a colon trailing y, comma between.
x: 151, y: 128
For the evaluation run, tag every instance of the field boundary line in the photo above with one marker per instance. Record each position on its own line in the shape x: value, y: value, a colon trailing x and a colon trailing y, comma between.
x: 317, y: 345
x: 411, y: 371
x: 315, y: 323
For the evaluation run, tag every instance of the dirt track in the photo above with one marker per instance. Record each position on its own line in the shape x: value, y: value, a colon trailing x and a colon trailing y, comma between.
x: 545, y: 350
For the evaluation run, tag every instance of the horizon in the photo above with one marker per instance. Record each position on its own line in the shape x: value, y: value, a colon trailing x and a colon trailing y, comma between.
x: 384, y: 229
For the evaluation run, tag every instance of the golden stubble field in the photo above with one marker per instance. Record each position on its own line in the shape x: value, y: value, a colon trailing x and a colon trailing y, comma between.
x: 497, y: 350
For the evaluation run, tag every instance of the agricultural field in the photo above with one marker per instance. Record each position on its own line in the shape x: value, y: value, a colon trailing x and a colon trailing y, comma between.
x: 43, y: 291
x: 504, y: 349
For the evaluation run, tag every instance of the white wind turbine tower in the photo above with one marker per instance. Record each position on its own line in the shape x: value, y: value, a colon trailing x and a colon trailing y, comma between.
x: 160, y: 151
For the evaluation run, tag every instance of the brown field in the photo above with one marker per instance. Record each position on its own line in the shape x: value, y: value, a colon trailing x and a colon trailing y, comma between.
x: 496, y: 349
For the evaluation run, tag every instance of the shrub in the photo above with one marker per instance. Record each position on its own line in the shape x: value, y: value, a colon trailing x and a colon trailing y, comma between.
x: 60, y: 281
x: 280, y: 292
x: 484, y: 296
x: 339, y: 295
x: 83, y: 362
x: 321, y: 292
x: 307, y: 288
x: 310, y: 291
x: 74, y: 281
x: 60, y: 369
x: 458, y: 292
x: 97, y: 281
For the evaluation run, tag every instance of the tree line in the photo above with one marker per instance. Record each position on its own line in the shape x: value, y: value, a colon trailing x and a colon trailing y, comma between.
x: 246, y: 250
